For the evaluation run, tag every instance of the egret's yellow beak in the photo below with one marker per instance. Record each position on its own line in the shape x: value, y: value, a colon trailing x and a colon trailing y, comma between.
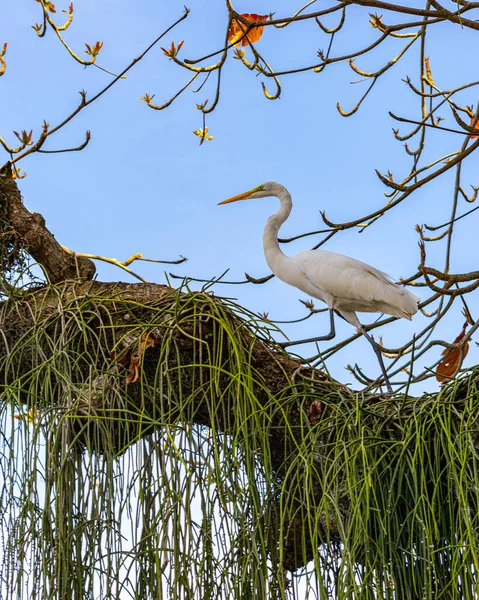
x: 243, y: 196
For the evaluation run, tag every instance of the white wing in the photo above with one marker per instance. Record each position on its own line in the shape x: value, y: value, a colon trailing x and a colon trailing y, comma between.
x: 347, y: 284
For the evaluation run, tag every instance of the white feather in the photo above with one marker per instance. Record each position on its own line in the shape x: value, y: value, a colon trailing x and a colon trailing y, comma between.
x: 343, y: 283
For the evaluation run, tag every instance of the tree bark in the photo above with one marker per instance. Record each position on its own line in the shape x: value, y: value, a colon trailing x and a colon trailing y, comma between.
x: 36, y: 239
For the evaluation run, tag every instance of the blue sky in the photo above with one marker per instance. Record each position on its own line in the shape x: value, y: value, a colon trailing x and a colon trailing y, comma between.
x: 145, y: 185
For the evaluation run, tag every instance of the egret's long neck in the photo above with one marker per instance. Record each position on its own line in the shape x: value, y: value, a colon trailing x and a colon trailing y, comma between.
x: 272, y: 251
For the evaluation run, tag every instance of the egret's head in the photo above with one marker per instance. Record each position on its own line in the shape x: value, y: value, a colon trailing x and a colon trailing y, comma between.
x: 270, y: 188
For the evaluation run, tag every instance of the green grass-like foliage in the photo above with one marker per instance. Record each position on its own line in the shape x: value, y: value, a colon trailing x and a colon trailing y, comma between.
x: 205, y: 478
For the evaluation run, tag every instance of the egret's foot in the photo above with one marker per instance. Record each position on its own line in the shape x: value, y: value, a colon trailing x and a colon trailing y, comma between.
x: 308, y: 340
x: 323, y: 338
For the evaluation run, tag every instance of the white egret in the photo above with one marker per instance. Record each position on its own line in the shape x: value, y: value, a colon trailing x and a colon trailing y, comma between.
x: 345, y: 284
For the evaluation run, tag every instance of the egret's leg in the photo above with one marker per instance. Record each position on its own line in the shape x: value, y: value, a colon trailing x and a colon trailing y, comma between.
x: 330, y: 335
x: 377, y: 351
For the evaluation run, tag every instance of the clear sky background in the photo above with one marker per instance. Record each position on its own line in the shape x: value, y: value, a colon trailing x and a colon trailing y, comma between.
x: 144, y: 184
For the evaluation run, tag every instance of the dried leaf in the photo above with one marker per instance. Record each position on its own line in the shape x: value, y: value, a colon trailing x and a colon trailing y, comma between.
x: 238, y: 29
x: 315, y: 411
x: 133, y: 369
x: 123, y: 359
x: 452, y: 360
x: 147, y: 340
x: 133, y: 359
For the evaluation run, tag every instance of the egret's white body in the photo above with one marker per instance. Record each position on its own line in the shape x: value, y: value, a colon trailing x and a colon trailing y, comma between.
x: 345, y: 284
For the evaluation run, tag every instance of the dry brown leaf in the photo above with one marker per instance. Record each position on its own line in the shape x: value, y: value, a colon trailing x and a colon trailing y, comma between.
x: 123, y: 358
x: 133, y: 359
x: 134, y: 369
x: 147, y: 341
x: 238, y: 29
x: 315, y: 412
x: 453, y: 358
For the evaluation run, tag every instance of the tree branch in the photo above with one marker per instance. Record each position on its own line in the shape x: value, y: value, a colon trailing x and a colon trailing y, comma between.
x: 38, y: 241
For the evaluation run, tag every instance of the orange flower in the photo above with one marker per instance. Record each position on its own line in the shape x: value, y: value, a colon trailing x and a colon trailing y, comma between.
x: 452, y: 360
x: 238, y: 29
